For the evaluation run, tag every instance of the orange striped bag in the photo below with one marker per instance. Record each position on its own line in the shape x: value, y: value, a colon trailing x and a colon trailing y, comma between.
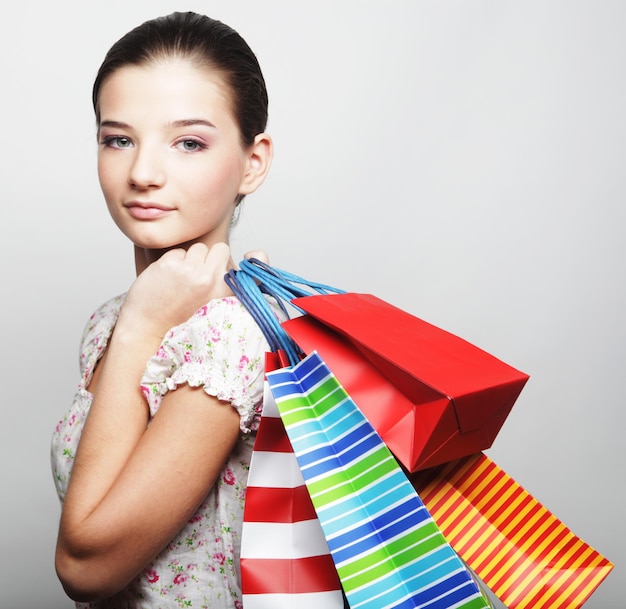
x: 523, y: 553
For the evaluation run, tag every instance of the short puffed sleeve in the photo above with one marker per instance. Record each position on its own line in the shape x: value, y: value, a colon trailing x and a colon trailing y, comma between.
x: 96, y: 336
x: 220, y: 348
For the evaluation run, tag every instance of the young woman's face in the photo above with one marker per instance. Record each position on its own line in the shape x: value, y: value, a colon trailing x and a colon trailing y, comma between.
x: 170, y: 160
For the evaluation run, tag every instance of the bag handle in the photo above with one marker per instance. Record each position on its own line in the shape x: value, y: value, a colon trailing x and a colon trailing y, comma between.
x: 282, y: 283
x: 254, y: 280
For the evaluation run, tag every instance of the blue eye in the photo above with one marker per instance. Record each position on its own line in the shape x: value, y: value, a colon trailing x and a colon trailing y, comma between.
x: 190, y: 145
x: 117, y: 141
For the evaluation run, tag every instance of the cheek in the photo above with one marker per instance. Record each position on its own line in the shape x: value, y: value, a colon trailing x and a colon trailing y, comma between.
x: 104, y: 174
x: 232, y: 175
x: 222, y: 180
x: 109, y: 176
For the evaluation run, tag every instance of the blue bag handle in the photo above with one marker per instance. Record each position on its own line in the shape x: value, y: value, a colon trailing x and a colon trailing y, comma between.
x: 254, y: 280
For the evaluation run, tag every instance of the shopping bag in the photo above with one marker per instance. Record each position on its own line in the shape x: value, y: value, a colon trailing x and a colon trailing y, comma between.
x: 431, y: 395
x: 285, y: 560
x: 387, y: 549
x: 520, y: 550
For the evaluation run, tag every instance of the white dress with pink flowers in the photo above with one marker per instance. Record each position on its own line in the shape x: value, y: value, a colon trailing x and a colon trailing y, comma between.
x: 221, y: 349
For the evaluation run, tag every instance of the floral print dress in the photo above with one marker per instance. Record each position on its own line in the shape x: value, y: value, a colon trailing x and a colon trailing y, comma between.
x: 221, y: 349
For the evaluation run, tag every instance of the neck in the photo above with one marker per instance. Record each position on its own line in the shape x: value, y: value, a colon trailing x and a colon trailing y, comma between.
x: 145, y: 257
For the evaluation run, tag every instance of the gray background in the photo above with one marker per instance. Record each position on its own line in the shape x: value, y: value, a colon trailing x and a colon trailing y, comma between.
x: 463, y: 160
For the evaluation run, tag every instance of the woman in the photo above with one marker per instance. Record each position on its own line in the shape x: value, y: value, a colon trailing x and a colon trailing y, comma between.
x: 159, y: 437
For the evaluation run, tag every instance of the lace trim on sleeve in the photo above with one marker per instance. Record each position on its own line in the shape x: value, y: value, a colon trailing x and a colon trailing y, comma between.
x: 220, y: 349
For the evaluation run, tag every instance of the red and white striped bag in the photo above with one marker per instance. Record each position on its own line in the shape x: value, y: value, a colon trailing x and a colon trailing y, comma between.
x: 283, y: 550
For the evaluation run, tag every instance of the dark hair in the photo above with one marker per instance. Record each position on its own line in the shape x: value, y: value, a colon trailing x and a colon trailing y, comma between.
x: 209, y: 43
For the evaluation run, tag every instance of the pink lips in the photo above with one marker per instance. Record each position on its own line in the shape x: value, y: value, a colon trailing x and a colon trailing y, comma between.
x: 146, y: 210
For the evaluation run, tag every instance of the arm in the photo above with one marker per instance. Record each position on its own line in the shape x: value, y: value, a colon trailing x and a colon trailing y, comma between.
x: 133, y: 486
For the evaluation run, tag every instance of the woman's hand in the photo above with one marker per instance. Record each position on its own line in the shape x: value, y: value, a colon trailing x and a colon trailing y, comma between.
x: 173, y: 287
x: 258, y: 254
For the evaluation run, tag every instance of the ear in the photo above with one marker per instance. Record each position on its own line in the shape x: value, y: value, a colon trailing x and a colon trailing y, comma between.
x: 260, y: 156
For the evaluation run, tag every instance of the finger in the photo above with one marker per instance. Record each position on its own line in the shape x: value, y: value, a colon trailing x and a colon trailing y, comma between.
x: 178, y: 253
x: 219, y: 255
x: 259, y: 255
x: 197, y: 252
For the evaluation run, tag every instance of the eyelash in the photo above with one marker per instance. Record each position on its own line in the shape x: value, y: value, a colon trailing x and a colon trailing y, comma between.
x: 198, y: 145
x: 112, y: 141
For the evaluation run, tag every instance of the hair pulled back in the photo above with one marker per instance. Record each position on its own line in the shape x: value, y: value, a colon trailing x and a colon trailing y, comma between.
x: 208, y: 43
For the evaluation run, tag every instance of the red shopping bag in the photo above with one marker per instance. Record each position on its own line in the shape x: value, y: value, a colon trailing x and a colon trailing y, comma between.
x: 432, y: 396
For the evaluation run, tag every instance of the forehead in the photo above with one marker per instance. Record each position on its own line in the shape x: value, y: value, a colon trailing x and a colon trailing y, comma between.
x: 172, y: 86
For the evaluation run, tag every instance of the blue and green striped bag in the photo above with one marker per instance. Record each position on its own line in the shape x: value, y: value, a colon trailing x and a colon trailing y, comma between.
x: 387, y: 549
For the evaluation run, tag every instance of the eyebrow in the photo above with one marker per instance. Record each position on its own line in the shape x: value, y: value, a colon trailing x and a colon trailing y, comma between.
x: 189, y: 122
x: 115, y: 124
x: 185, y: 122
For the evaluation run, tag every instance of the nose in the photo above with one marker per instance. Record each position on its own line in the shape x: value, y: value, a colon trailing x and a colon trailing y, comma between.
x: 147, y: 169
